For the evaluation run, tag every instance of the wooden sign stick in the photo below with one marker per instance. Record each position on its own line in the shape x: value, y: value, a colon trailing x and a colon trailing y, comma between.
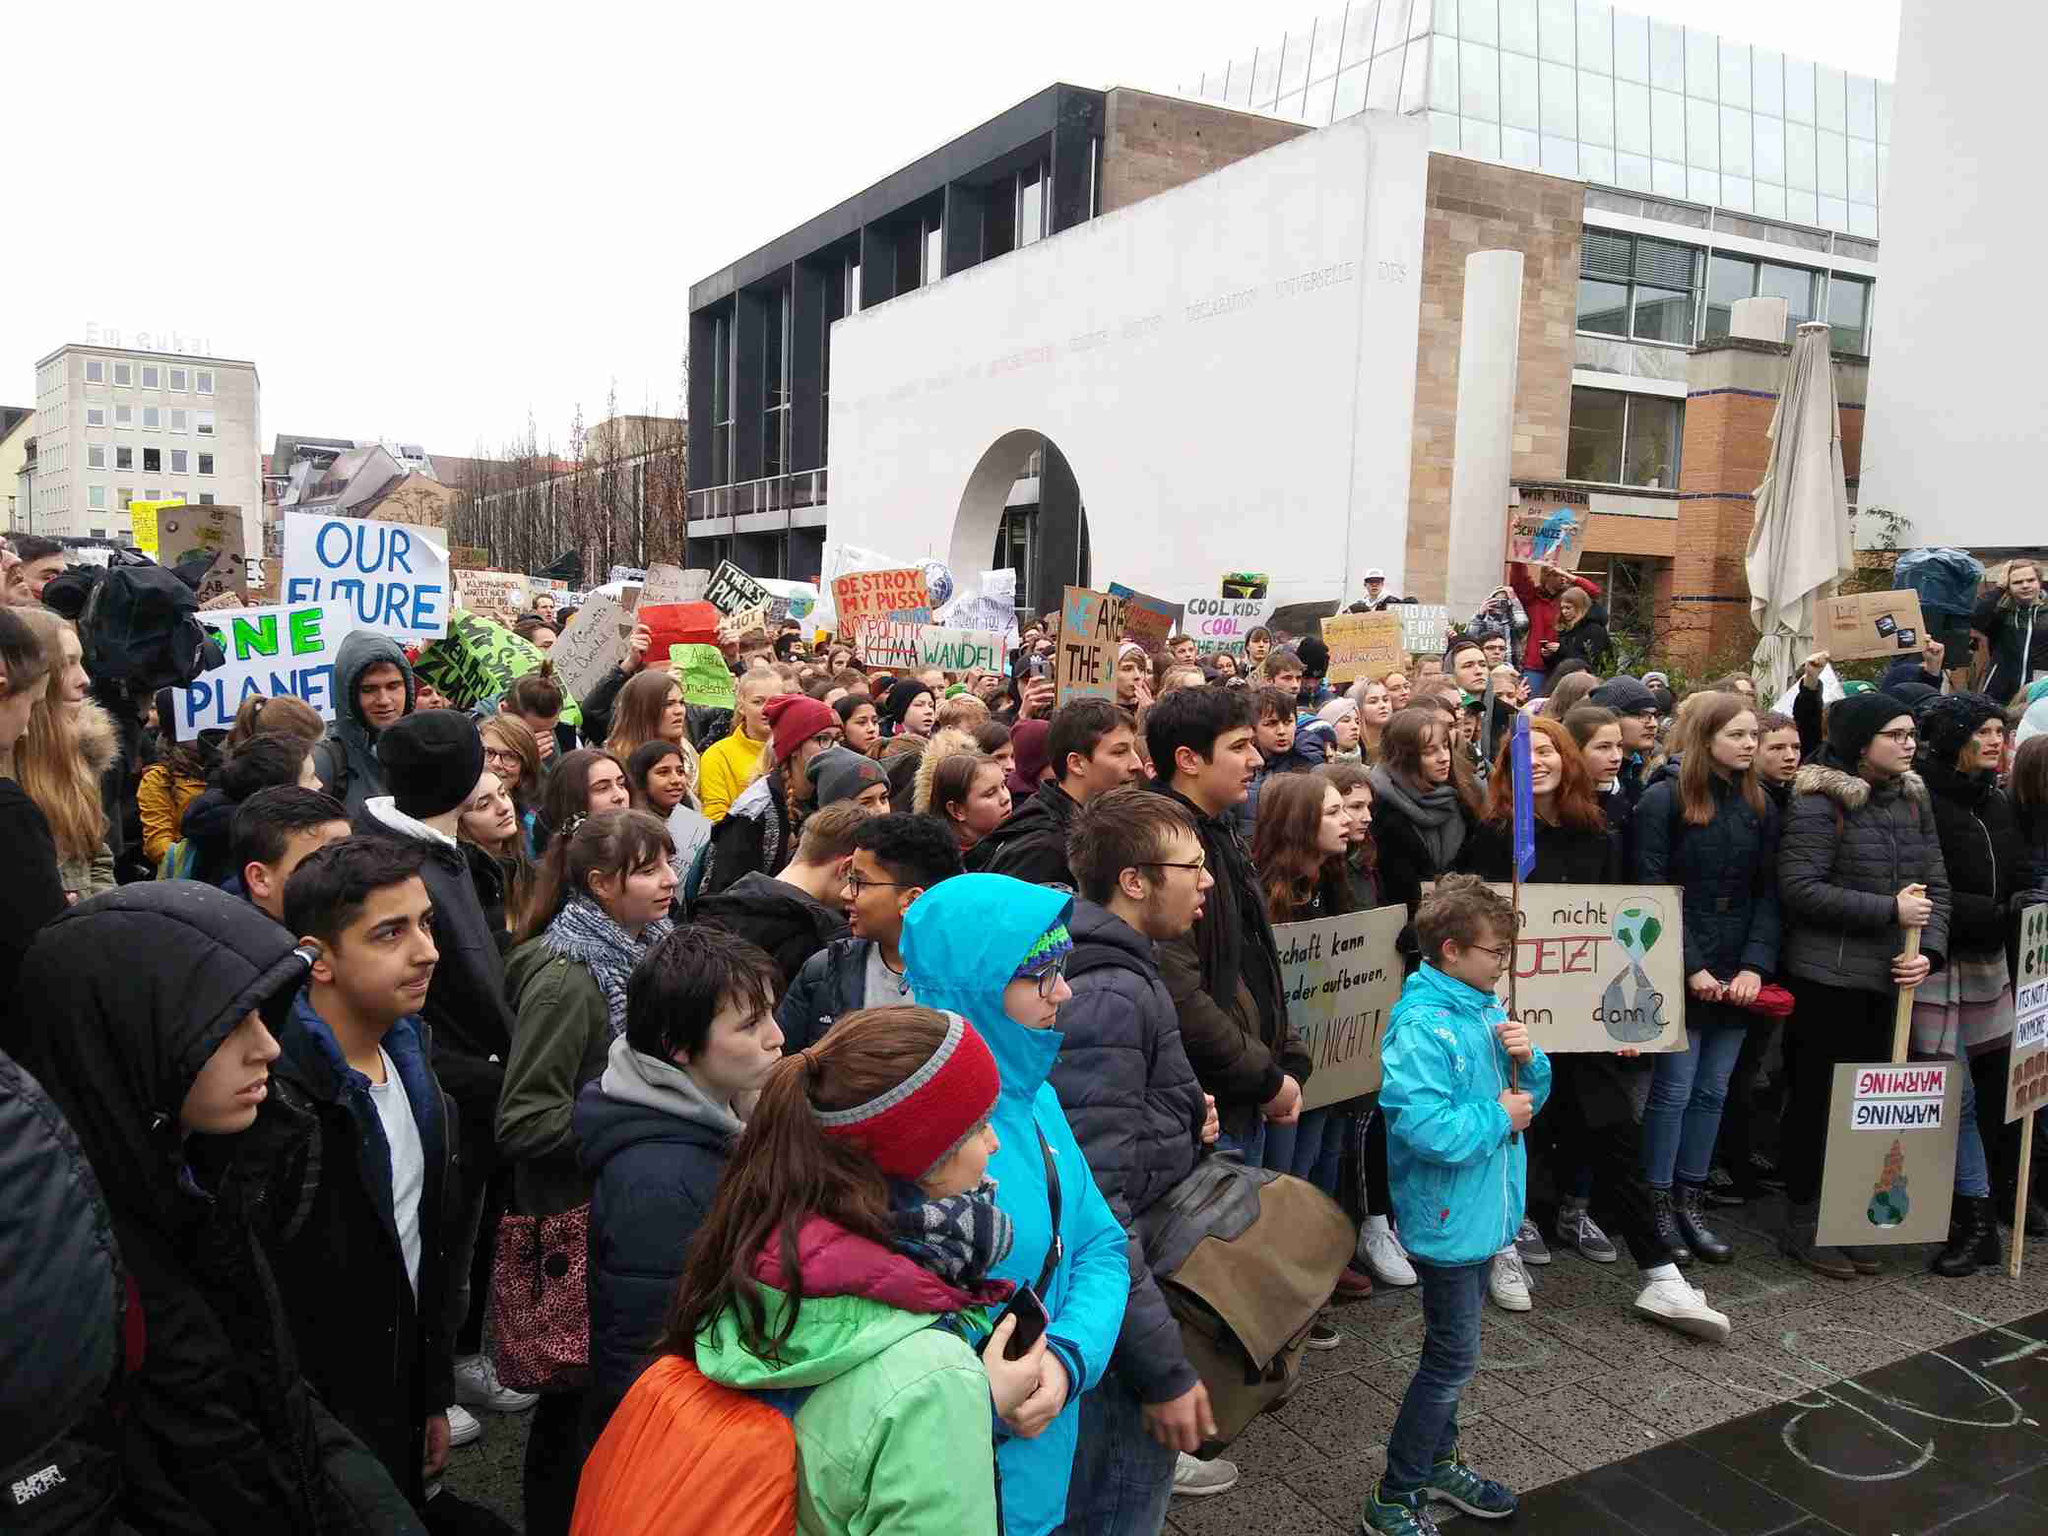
x: 1902, y: 1018
x: 2019, y: 1203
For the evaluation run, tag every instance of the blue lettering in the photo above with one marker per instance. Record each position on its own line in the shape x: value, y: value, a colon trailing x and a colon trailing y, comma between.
x: 401, y: 546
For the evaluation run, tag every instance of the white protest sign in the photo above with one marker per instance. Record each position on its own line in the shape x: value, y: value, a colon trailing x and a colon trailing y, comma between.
x: 673, y: 584
x: 958, y: 650
x: 385, y: 577
x: 492, y: 592
x: 1341, y: 977
x: 1425, y: 627
x: 288, y: 648
x: 2026, y: 1077
x: 1221, y: 623
x: 1890, y: 1167
x: 591, y: 646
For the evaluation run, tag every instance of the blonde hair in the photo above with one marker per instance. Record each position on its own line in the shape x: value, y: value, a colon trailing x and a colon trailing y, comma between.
x: 636, y: 720
x: 963, y: 710
x: 944, y: 744
x: 60, y: 760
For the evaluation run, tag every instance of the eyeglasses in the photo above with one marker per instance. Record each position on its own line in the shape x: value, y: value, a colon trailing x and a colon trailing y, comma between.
x: 857, y: 884
x: 1499, y: 955
x: 1903, y: 738
x: 1198, y: 864
x: 1049, y: 979
x: 500, y: 755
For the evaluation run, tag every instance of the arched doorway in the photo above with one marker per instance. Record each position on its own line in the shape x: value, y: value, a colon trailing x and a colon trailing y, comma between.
x: 1022, y: 508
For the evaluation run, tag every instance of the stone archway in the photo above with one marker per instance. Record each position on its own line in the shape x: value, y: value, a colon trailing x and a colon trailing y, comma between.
x: 1059, y: 548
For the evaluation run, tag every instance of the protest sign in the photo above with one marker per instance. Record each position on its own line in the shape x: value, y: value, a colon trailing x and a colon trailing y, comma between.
x: 184, y: 531
x: 477, y: 661
x: 387, y: 578
x: 1246, y: 584
x: 959, y: 649
x: 673, y: 584
x: 502, y: 594
x: 1890, y: 1167
x: 898, y: 594
x: 670, y: 624
x: 1340, y: 978
x: 1599, y: 967
x: 1546, y: 533
x: 591, y: 645
x: 627, y: 573
x: 1221, y: 623
x: 1090, y: 624
x: 1869, y: 624
x: 991, y: 606
x: 1363, y: 645
x: 1425, y: 627
x: 2026, y: 1084
x: 1147, y: 620
x: 732, y: 590
x: 735, y: 626
x: 142, y: 526
x: 287, y: 648
x: 885, y: 642
x: 705, y: 677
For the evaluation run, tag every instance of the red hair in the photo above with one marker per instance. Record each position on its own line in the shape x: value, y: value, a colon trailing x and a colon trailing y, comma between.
x: 1576, y: 801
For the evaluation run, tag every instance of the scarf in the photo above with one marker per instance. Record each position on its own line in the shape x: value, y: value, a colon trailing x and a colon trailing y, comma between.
x: 1438, y: 818
x: 959, y: 1238
x: 583, y: 931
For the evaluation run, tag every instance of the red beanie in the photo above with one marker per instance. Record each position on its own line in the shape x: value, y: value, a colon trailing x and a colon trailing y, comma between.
x: 910, y: 1129
x: 794, y: 718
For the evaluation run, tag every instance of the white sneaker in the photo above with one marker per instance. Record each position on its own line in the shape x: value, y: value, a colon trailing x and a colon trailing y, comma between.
x: 1197, y: 1479
x: 477, y: 1384
x: 1530, y: 1245
x: 1682, y: 1307
x: 462, y: 1425
x: 1508, y: 1284
x: 1384, y: 1255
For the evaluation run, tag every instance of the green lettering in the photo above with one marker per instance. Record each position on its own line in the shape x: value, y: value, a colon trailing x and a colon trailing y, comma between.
x: 304, y: 630
x: 255, y: 637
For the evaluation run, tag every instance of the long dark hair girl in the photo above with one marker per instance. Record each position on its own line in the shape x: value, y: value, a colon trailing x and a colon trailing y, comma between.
x: 1409, y: 734
x: 616, y: 843
x: 1292, y: 867
x: 1348, y: 777
x: 1575, y: 802
x: 786, y: 1170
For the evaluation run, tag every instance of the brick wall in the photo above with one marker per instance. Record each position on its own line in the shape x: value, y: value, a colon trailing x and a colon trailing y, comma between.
x: 1475, y: 207
x: 1151, y: 144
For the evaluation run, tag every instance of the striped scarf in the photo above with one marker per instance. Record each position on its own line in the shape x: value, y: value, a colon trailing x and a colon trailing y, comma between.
x: 583, y: 931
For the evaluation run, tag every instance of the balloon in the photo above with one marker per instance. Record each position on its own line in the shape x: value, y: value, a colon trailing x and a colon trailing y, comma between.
x: 938, y: 581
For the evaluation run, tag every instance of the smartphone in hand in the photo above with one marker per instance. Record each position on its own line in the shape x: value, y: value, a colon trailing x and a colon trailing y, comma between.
x: 1031, y: 1320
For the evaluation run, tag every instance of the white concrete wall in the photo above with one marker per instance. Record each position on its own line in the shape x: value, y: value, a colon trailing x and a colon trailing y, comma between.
x: 1229, y: 367
x: 1958, y: 397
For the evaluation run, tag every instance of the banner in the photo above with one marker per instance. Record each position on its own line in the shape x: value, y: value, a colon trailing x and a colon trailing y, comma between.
x: 384, y: 577
x: 1869, y: 624
x: 900, y: 594
x: 1363, y: 645
x: 1221, y: 623
x: 477, y: 661
x: 1890, y: 1170
x: 1091, y: 624
x: 2026, y: 1076
x: 1425, y: 627
x: 284, y: 649
x: 1598, y: 967
x: 732, y: 590
x: 621, y: 574
x: 1147, y: 620
x: 1340, y: 977
x: 705, y: 677
x: 592, y: 645
x: 958, y: 650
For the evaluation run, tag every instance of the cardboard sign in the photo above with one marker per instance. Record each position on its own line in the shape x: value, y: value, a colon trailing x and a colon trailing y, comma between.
x: 592, y: 644
x: 1869, y: 624
x: 1147, y: 620
x: 1091, y: 625
x: 673, y: 584
x: 1425, y: 627
x: 959, y: 650
x: 499, y: 593
x: 737, y: 626
x: 284, y: 649
x: 677, y: 624
x: 184, y: 531
x: 880, y: 641
x: 1547, y: 533
x: 1599, y: 967
x: 1341, y: 977
x: 705, y: 677
x: 732, y: 590
x: 1221, y: 623
x: 1890, y: 1171
x: 2026, y: 1077
x: 1363, y: 645
x: 384, y: 577
x: 477, y: 661
x: 900, y: 594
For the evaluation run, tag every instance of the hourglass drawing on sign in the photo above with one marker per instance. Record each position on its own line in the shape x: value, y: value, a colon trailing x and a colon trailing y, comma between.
x: 1632, y: 1008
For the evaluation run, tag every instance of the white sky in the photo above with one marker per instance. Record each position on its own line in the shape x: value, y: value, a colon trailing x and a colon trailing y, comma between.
x: 425, y: 221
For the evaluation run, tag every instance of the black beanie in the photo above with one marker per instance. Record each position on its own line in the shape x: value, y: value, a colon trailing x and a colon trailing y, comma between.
x: 1315, y: 657
x: 432, y: 760
x: 1947, y: 723
x: 1855, y: 720
x: 901, y: 697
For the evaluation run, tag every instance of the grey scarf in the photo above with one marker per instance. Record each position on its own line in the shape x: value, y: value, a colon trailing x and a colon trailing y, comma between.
x: 584, y: 931
x: 1439, y: 819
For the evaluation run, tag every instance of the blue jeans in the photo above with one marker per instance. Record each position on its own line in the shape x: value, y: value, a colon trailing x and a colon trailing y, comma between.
x: 1308, y: 1148
x: 1687, y: 1090
x: 1973, y: 1169
x: 1122, y: 1477
x: 1251, y: 1148
x: 1426, y: 1428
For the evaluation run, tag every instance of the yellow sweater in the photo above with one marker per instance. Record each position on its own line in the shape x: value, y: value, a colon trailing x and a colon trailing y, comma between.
x: 726, y: 770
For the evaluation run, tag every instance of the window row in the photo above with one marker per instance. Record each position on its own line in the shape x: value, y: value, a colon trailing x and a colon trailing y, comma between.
x: 1622, y: 439
x: 1643, y: 289
x: 127, y: 375
x: 152, y: 418
x: 170, y: 461
x: 96, y: 497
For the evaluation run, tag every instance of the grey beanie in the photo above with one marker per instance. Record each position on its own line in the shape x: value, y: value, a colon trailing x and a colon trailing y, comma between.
x: 839, y: 773
x: 1623, y: 695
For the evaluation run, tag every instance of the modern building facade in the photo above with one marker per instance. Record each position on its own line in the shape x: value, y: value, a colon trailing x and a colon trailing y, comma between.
x: 115, y: 425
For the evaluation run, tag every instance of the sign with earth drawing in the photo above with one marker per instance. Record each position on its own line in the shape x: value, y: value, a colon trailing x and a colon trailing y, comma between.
x: 1600, y: 967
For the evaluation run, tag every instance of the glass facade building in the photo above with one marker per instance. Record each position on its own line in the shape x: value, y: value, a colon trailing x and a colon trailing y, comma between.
x: 1601, y: 95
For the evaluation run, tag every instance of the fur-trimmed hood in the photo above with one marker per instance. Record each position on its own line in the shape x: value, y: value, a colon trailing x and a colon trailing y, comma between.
x: 1850, y: 791
x: 98, y: 742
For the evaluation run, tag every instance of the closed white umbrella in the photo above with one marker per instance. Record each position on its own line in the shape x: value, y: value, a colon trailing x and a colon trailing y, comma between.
x: 1799, y: 547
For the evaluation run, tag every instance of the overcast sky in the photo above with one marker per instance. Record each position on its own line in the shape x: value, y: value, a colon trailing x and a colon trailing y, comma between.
x: 425, y: 221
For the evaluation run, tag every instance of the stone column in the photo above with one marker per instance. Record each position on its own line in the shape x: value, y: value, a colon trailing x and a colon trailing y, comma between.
x: 1483, y: 456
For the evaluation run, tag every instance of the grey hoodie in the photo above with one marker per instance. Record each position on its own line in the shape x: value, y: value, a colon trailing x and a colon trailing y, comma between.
x: 346, y: 758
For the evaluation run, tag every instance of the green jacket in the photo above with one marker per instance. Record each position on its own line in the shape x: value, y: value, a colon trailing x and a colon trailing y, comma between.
x: 894, y: 1432
x: 558, y: 1044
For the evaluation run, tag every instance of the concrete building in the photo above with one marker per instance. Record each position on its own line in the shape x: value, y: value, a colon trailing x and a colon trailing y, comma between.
x: 17, y: 427
x: 115, y: 425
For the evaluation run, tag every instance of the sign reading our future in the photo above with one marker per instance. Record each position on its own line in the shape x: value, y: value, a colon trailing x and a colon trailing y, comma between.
x: 383, y: 577
x: 274, y: 651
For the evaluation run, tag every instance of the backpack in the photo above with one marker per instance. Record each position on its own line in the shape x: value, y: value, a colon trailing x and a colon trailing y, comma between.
x: 684, y: 1455
x: 141, y: 627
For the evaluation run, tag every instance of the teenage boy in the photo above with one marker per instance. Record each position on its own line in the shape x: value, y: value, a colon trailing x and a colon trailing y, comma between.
x: 1093, y: 749
x: 1130, y: 1094
x: 1465, y: 664
x: 896, y: 859
x: 795, y: 914
x: 1461, y: 1083
x: 1224, y: 973
x: 1273, y: 728
x: 274, y: 831
x: 729, y: 764
x: 41, y: 559
x: 1282, y: 669
x: 373, y: 684
x: 1636, y: 708
x: 362, y: 1139
x: 1182, y: 649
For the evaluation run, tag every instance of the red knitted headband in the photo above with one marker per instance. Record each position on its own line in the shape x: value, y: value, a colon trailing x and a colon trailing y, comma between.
x: 909, y: 1129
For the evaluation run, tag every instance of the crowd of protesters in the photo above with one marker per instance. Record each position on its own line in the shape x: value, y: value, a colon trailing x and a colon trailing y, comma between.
x: 780, y: 1104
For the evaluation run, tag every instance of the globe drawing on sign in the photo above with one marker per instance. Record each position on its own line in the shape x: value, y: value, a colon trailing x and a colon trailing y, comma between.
x: 1632, y: 1008
x: 1888, y: 1203
x: 938, y: 581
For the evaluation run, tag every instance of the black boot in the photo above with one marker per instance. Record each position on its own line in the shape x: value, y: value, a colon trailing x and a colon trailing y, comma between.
x: 1800, y: 1244
x: 1664, y: 1217
x: 1972, y: 1240
x: 1692, y: 1225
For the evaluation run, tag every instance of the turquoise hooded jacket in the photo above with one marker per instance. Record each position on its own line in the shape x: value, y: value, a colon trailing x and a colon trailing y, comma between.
x: 962, y: 942
x: 1457, y: 1179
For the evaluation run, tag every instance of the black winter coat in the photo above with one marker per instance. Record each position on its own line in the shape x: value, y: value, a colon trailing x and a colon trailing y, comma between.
x: 219, y: 1431
x: 1729, y: 871
x: 30, y: 896
x: 1847, y: 850
x: 1405, y: 863
x: 1130, y: 1094
x: 1564, y: 855
x: 1586, y: 640
x: 1032, y: 844
x: 831, y: 984
x: 208, y: 827
x: 757, y: 836
x: 778, y: 918
x: 1986, y: 856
